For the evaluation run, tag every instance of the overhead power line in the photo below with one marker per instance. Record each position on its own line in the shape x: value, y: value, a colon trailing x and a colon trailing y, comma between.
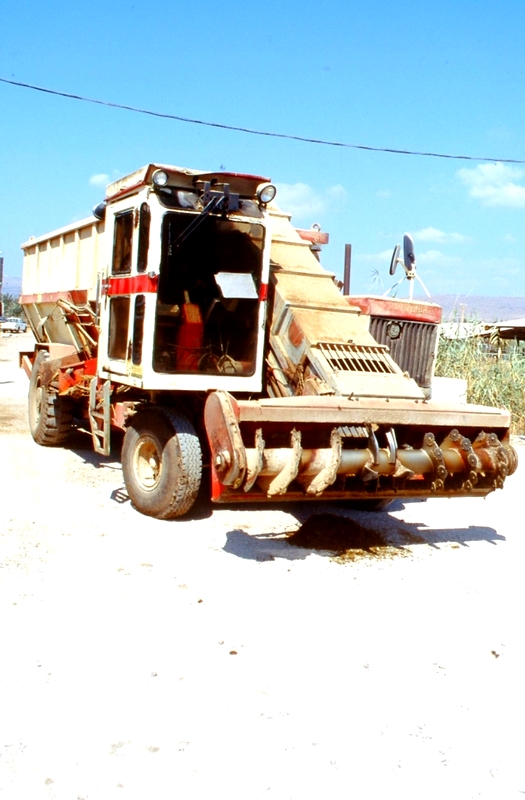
x: 253, y: 132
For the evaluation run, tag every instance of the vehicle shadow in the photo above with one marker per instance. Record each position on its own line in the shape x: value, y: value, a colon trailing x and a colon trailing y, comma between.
x: 337, y: 531
x: 351, y: 535
x: 80, y: 443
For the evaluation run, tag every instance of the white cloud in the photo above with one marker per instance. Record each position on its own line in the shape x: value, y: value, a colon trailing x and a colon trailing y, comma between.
x: 439, y: 237
x: 435, y: 269
x: 374, y: 258
x: 495, y: 184
x: 303, y: 202
x: 336, y: 192
x: 437, y: 258
x: 99, y: 180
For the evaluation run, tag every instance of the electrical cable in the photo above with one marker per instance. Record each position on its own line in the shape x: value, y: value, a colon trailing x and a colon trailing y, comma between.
x: 253, y: 132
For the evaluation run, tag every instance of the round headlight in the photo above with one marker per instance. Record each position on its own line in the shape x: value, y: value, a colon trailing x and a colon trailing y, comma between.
x: 266, y: 193
x: 394, y: 330
x: 160, y: 177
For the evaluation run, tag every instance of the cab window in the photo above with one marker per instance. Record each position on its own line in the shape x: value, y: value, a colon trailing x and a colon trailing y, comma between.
x: 122, y: 243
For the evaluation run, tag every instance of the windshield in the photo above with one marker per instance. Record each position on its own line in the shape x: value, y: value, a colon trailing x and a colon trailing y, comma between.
x: 207, y: 302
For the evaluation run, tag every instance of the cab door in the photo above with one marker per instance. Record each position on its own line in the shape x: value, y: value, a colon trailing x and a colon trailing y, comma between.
x: 125, y: 287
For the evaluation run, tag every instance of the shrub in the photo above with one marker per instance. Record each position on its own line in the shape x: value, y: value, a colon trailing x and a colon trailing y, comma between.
x: 494, y: 371
x: 12, y: 307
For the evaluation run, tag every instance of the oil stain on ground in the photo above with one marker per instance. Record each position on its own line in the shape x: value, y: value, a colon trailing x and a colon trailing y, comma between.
x: 349, y: 540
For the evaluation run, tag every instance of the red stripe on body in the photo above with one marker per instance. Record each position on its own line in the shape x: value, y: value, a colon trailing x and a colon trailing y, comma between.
x: 131, y: 284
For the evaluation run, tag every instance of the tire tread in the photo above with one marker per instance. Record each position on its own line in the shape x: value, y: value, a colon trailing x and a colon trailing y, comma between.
x: 177, y: 499
x: 56, y: 412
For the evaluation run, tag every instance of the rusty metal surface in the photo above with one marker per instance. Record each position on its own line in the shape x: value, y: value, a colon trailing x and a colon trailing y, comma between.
x: 228, y: 452
x: 371, y: 410
x: 25, y: 361
x: 430, y: 459
x: 397, y: 308
x: 416, y: 491
x: 445, y: 462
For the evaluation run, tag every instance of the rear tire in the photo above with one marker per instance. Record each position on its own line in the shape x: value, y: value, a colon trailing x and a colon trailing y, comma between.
x: 50, y: 415
x: 161, y: 463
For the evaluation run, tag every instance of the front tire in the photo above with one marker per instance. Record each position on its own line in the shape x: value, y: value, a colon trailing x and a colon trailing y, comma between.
x: 161, y: 463
x: 50, y: 415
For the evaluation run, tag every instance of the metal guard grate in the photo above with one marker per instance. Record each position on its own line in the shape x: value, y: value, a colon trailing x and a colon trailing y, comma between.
x: 414, y: 350
x: 357, y: 357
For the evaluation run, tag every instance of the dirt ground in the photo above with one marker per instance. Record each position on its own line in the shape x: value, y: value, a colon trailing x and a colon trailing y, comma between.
x: 208, y: 657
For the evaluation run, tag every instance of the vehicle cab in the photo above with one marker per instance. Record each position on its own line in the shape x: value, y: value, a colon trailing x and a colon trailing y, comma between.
x: 183, y: 297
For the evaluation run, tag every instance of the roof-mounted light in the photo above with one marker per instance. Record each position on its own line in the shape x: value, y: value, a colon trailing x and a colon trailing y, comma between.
x: 160, y: 177
x: 266, y: 193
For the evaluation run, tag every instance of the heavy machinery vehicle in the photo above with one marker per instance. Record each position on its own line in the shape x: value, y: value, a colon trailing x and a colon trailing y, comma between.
x: 190, y: 313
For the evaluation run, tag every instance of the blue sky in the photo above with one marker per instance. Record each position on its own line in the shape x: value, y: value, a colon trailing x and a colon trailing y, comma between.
x: 444, y: 77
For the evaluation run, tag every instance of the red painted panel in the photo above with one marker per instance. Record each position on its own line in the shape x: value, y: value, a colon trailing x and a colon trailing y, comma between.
x: 72, y: 374
x: 77, y: 296
x: 392, y: 307
x: 131, y: 284
x: 217, y: 488
x: 190, y: 337
x: 316, y: 237
x: 222, y: 175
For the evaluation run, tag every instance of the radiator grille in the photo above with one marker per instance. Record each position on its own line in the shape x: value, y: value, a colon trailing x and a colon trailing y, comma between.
x: 414, y: 349
x: 357, y: 357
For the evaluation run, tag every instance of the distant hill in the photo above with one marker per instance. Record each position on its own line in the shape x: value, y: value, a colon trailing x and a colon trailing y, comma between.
x: 12, y: 285
x: 477, y: 307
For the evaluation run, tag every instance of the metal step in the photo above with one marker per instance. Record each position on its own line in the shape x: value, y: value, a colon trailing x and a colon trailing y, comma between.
x: 100, y: 416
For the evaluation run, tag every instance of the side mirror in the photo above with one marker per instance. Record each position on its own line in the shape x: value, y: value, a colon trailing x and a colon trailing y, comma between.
x: 408, y: 254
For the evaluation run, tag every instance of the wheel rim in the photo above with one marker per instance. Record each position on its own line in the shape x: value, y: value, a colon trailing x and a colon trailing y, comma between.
x: 147, y: 464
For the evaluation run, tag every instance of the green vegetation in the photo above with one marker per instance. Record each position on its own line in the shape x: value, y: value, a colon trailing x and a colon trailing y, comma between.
x: 12, y: 307
x: 494, y: 371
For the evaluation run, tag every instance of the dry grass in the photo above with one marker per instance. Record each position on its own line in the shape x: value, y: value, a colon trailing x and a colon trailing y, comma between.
x: 495, y: 373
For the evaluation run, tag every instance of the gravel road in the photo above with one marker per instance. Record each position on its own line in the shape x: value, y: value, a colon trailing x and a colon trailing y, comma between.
x: 208, y: 657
